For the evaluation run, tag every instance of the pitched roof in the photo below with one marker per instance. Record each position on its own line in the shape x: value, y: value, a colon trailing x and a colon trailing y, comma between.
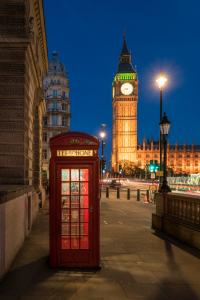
x: 125, y: 50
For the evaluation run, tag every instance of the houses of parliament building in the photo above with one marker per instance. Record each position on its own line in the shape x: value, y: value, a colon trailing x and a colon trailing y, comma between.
x: 181, y: 158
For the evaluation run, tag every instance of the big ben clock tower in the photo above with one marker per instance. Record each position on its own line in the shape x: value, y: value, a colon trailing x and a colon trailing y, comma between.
x: 124, y: 103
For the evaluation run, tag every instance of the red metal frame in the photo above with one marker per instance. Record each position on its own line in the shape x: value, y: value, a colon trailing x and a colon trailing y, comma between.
x: 74, y: 257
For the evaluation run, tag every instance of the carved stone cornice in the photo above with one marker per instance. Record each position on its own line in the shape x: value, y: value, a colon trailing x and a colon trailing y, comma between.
x: 39, y: 12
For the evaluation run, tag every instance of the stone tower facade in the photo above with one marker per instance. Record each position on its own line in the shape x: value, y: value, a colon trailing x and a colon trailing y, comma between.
x: 57, y: 118
x: 124, y: 103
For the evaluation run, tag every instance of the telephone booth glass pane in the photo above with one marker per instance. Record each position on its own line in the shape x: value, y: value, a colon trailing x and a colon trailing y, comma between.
x: 84, y: 188
x: 65, y: 201
x: 84, y: 201
x: 75, y: 175
x: 75, y: 209
x: 75, y: 242
x: 65, y: 189
x: 84, y: 175
x: 84, y: 215
x: 65, y: 228
x: 65, y: 242
x: 74, y: 201
x: 74, y: 188
x: 65, y: 175
x: 65, y: 215
x: 84, y: 242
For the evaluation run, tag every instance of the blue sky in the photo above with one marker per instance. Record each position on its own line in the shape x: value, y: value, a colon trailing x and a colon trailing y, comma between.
x: 88, y: 36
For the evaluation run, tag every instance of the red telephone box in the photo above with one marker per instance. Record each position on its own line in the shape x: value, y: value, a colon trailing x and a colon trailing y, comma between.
x: 74, y: 200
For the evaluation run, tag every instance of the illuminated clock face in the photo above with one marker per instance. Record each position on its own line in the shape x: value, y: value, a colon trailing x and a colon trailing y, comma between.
x: 126, y: 88
x: 113, y: 92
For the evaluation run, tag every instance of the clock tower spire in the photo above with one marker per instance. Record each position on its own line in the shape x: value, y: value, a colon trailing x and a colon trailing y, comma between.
x: 124, y: 103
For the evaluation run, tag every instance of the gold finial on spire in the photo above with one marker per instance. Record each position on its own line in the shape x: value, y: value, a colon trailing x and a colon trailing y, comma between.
x: 124, y: 33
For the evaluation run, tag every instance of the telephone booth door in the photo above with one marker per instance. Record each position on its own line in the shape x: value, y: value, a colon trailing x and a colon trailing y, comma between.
x: 75, y: 215
x: 74, y: 201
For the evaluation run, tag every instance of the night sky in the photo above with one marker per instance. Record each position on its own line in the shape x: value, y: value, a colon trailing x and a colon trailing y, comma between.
x: 88, y: 36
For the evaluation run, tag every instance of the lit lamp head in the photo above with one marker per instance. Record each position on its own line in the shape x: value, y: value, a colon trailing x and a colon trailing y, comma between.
x: 161, y: 81
x: 102, y: 134
x: 164, y: 125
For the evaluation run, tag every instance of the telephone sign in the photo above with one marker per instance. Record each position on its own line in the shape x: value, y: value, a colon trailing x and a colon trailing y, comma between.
x: 74, y: 200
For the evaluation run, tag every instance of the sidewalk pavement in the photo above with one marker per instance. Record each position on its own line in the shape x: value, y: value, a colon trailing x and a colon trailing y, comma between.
x: 136, y: 261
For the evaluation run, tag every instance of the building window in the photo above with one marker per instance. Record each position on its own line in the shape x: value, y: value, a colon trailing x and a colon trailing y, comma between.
x: 54, y: 133
x: 171, y: 155
x: 44, y: 136
x: 55, y: 120
x: 64, y: 121
x: 147, y: 155
x: 139, y: 156
x: 188, y: 155
x: 63, y: 94
x: 180, y: 155
x: 196, y: 155
x: 54, y: 93
x: 54, y: 67
x: 55, y: 105
x: 155, y: 156
x: 44, y: 153
x: 54, y: 81
x: 45, y: 121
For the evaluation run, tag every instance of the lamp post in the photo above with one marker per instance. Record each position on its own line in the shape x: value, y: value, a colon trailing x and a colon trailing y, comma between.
x: 102, y: 136
x: 161, y: 82
x: 164, y: 129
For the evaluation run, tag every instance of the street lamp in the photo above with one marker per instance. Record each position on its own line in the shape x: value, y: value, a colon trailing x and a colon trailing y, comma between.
x: 161, y: 81
x: 164, y: 129
x: 102, y: 134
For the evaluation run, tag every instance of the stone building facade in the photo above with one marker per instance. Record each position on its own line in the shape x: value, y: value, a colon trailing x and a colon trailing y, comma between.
x: 23, y: 63
x: 57, y: 118
x: 181, y: 158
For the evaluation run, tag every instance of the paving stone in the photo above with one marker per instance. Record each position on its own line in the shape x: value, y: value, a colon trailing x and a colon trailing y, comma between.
x: 141, y: 291
x: 112, y: 250
x: 113, y: 276
x: 172, y: 277
x: 103, y: 289
x: 141, y: 276
x: 121, y: 257
x: 150, y: 258
x: 183, y: 292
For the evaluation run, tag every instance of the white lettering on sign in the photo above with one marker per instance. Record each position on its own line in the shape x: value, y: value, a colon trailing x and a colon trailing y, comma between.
x: 74, y: 152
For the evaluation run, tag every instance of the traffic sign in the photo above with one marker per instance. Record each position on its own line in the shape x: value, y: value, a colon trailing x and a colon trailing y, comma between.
x: 153, y: 175
x: 159, y: 173
x: 153, y: 187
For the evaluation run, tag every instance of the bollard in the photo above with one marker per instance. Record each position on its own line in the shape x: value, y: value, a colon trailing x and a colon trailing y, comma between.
x: 147, y: 195
x: 128, y: 194
x: 107, y: 192
x: 138, y: 194
x: 118, y: 193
